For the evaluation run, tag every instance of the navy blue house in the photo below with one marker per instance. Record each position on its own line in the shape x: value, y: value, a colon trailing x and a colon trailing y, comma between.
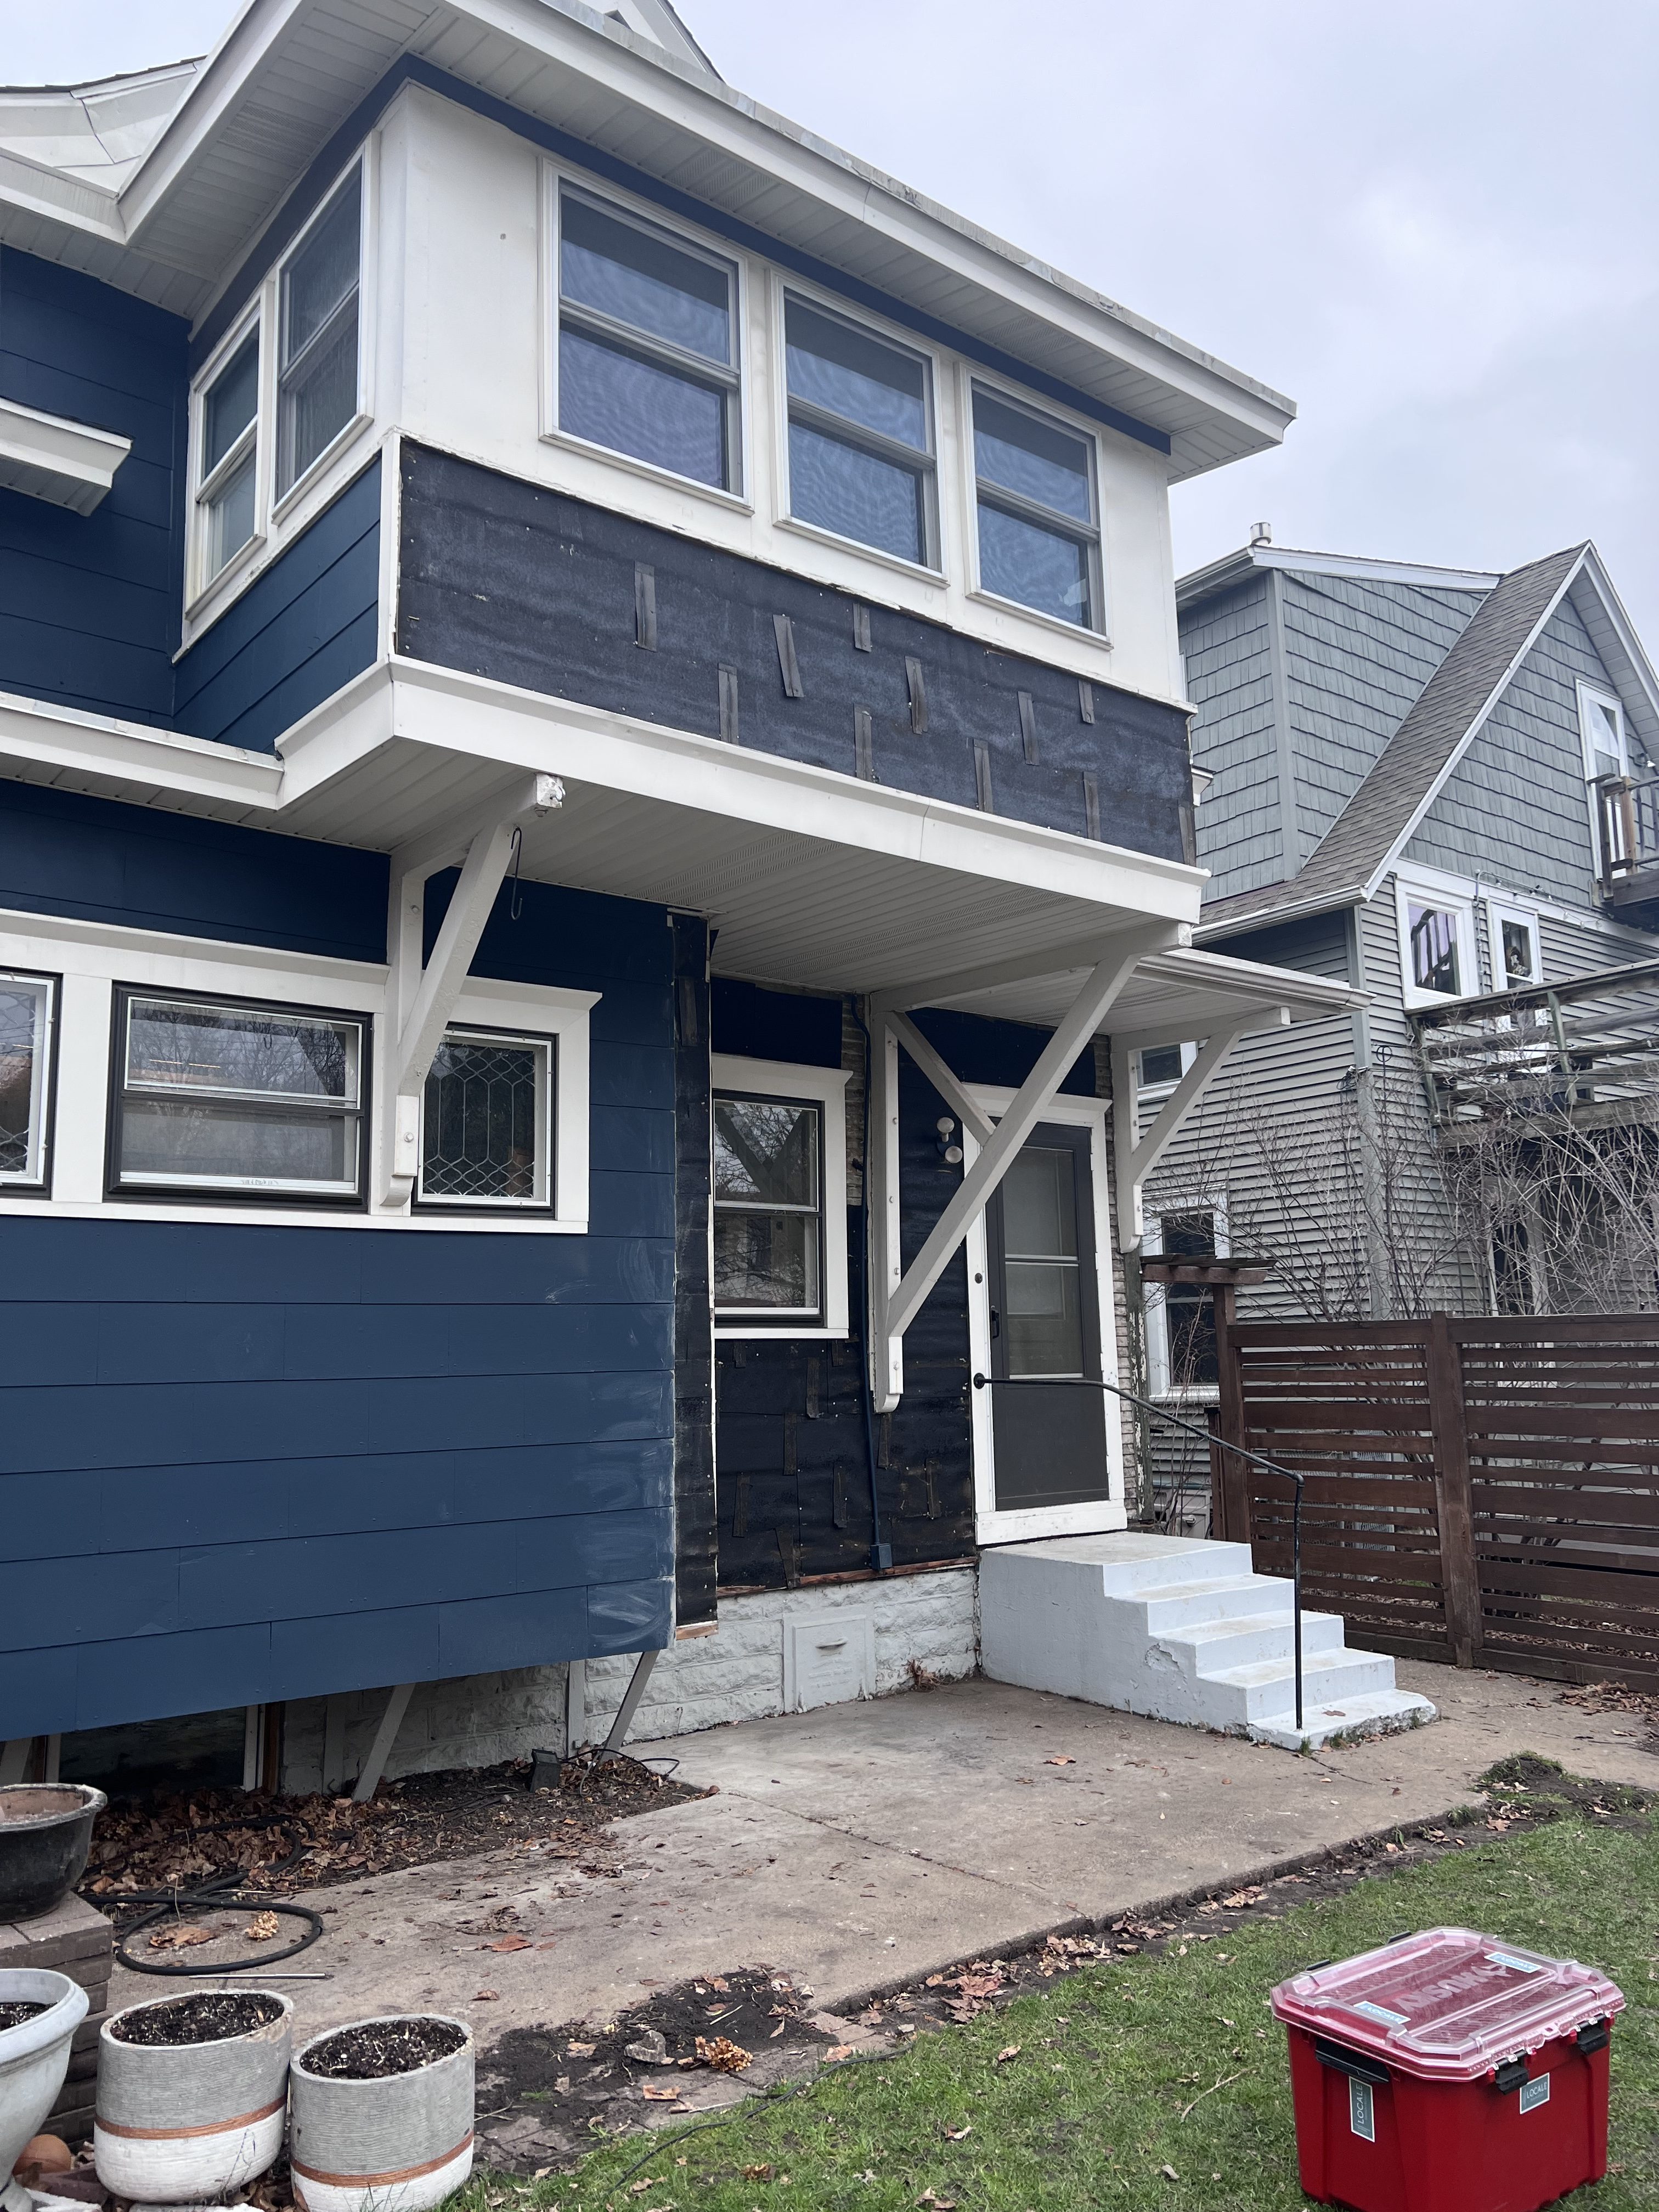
x: 592, y: 790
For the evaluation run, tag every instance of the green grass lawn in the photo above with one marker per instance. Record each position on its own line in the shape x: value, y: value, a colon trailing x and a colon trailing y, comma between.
x: 1159, y: 2063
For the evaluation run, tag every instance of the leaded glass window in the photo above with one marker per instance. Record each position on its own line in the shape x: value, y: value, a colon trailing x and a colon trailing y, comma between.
x: 26, y: 1010
x: 486, y: 1134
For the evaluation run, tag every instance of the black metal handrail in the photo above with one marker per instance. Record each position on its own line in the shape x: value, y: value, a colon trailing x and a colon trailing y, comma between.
x: 1162, y: 1413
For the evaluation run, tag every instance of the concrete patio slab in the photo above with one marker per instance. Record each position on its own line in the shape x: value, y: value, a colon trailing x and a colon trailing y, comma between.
x: 862, y: 1845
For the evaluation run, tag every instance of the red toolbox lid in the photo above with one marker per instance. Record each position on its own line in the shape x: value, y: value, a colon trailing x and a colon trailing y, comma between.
x: 1448, y: 2005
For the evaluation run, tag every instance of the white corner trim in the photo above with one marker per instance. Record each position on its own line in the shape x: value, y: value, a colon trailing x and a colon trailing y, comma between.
x: 1478, y: 723
x: 49, y: 456
x: 825, y: 1087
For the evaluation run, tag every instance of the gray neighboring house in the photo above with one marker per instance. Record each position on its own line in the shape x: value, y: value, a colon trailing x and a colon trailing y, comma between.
x: 1435, y: 784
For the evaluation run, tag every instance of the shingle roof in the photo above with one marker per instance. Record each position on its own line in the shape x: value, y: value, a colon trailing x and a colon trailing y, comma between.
x: 1450, y: 707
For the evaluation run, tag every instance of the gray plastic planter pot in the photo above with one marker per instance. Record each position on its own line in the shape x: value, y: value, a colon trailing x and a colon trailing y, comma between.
x: 46, y: 1831
x: 400, y: 2143
x: 34, y: 2057
x: 189, y: 2123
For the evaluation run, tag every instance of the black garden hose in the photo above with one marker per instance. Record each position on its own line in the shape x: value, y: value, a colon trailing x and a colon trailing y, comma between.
x: 215, y: 1896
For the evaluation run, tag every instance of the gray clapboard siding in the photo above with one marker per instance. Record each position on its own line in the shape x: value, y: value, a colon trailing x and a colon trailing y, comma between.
x: 1228, y: 680
x: 1569, y: 952
x: 1357, y: 653
x: 1516, y: 808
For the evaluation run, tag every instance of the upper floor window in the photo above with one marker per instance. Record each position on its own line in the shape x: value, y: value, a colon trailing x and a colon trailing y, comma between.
x: 1039, y: 527
x: 317, y: 385
x: 26, y: 1010
x: 1437, y: 944
x: 1515, y: 962
x: 487, y: 1121
x: 1602, y: 734
x: 860, y: 435
x: 228, y: 498
x: 256, y: 1101
x: 647, y: 343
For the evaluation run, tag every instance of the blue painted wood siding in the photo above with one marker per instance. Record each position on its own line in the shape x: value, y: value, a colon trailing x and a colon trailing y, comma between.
x: 90, y: 604
x: 241, y: 1463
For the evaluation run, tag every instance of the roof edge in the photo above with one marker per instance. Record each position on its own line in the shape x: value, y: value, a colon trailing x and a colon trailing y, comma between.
x: 1233, y: 568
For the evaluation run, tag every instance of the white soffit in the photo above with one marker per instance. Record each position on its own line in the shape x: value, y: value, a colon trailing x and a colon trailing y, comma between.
x: 50, y: 458
x: 1177, y: 997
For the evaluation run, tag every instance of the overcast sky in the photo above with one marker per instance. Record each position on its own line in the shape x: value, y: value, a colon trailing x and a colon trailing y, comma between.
x: 1431, y: 223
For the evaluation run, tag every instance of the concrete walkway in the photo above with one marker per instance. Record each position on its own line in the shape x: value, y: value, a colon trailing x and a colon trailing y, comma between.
x: 862, y: 1845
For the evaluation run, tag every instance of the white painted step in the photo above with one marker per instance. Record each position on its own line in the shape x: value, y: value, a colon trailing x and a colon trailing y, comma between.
x: 1180, y: 1629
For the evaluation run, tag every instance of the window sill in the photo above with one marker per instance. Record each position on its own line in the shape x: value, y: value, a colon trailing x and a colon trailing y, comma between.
x: 335, y: 446
x: 733, y: 502
x: 780, y: 1332
x: 1080, y: 633
x: 917, y: 569
x: 237, y: 571
x: 264, y: 1216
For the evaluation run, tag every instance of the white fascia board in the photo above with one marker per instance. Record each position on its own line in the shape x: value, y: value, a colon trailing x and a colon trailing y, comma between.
x: 33, y: 188
x: 1291, y: 909
x: 641, y: 75
x: 50, y: 458
x: 1478, y: 722
x: 63, y: 740
x: 1233, y: 568
x: 452, y: 712
x: 1256, y: 982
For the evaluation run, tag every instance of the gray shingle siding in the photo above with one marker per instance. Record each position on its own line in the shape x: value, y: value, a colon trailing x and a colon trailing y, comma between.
x: 1515, y: 807
x: 1228, y: 680
x: 1358, y: 653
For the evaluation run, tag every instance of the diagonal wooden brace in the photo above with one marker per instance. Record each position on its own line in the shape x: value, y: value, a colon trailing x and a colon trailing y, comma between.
x: 1135, y: 1156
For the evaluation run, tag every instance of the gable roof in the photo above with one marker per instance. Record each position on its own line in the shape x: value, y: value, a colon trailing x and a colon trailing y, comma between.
x: 1232, y: 568
x: 1402, y: 784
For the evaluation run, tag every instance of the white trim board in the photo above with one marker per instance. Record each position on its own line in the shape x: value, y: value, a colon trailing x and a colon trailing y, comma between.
x: 49, y: 456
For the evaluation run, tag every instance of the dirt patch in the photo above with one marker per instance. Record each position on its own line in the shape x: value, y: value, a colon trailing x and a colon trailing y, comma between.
x: 547, y: 2094
x: 14, y: 2015
x: 378, y: 2048
x: 160, y: 1841
x: 1641, y: 1705
x: 208, y: 2016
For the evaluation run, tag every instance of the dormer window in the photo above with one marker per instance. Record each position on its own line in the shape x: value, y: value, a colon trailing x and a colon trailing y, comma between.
x: 1039, y: 525
x: 1437, y: 943
x: 860, y: 435
x: 648, y: 344
x: 228, y: 500
x: 318, y: 375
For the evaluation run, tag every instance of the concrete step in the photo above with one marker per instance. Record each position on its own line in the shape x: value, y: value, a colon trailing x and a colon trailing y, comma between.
x: 1172, y: 1607
x: 1216, y: 1645
x: 1267, y: 1686
x: 1378, y: 1712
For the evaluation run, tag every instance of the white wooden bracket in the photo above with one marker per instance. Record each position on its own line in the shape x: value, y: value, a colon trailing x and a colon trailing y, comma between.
x: 1135, y: 1156
x: 896, y: 1293
x: 385, y: 1736
x: 421, y: 998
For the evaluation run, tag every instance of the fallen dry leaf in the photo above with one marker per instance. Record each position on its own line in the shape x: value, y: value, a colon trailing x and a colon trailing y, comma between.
x: 649, y: 2089
x: 651, y: 2181
x: 757, y: 2172
x: 486, y: 1997
x: 1008, y: 2050
x: 507, y: 1944
x: 837, y: 2052
x: 958, y: 2135
x: 932, y: 2203
x: 1059, y: 1760
x: 1169, y: 2173
x: 724, y: 2055
x: 180, y: 1938
x: 578, y: 2050
x: 261, y: 1928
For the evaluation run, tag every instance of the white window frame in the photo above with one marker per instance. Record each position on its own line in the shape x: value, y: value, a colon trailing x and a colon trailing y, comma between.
x: 547, y: 1051
x: 1100, y: 1516
x: 1592, y: 695
x: 1155, y: 1306
x: 1154, y: 1095
x: 280, y: 518
x: 935, y: 570
x: 826, y: 1089
x: 33, y: 1179
x: 201, y: 579
x: 557, y: 177
x: 1499, y: 911
x: 90, y: 958
x: 1097, y: 633
x: 1424, y: 891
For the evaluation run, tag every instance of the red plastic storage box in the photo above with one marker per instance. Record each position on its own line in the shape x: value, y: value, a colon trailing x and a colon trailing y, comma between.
x: 1449, y: 2072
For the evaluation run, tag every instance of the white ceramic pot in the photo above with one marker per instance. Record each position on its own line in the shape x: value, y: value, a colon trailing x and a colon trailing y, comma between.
x: 34, y: 2057
x: 188, y: 2122
x: 400, y: 2143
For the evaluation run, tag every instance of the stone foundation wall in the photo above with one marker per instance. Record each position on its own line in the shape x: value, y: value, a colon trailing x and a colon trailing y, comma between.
x: 736, y: 1674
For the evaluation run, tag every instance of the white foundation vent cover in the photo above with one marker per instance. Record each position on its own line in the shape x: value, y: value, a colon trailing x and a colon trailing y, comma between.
x: 828, y: 1661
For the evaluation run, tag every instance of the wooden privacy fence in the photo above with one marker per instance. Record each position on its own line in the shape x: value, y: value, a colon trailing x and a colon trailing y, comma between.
x: 1485, y: 1491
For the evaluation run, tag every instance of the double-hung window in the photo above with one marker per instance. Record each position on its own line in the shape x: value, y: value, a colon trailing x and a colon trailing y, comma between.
x: 227, y: 498
x: 317, y: 372
x: 259, y: 1102
x: 27, y: 1011
x: 860, y: 435
x: 487, y: 1121
x: 647, y: 343
x: 1039, y: 522
x: 780, y: 1198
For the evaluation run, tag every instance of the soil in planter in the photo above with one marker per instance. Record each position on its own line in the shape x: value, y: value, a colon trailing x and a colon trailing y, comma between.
x: 209, y: 2016
x: 14, y: 2015
x: 382, y: 2047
